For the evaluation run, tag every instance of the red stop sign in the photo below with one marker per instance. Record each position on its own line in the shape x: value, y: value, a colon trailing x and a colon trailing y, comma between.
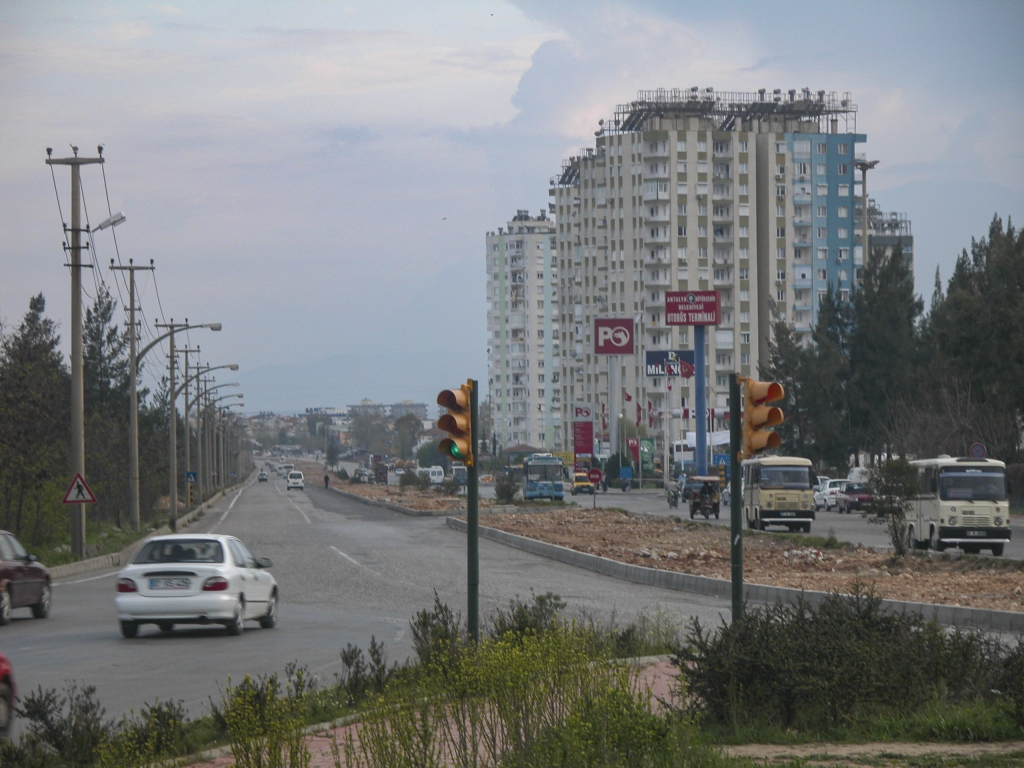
x: 594, y: 475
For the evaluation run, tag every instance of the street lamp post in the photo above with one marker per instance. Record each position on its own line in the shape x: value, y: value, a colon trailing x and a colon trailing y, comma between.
x: 172, y: 409
x: 864, y: 166
x: 197, y: 375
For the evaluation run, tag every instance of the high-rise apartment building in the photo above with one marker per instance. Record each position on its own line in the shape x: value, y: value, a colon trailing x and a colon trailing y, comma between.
x: 885, y: 232
x: 523, y: 332
x: 750, y: 194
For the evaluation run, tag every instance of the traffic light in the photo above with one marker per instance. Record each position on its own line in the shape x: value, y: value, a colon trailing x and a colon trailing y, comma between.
x: 458, y: 423
x: 757, y: 416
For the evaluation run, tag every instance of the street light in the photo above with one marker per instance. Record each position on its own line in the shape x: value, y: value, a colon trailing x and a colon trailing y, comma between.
x: 172, y: 419
x: 199, y: 371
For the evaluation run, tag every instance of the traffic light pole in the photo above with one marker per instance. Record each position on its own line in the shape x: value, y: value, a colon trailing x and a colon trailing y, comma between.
x: 473, y: 519
x: 735, y: 497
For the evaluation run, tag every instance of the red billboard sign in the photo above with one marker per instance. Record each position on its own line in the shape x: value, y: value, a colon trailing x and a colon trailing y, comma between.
x: 693, y: 307
x: 583, y: 439
x: 613, y: 336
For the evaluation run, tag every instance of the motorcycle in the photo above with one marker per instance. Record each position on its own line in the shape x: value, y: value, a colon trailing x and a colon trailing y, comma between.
x: 673, y: 499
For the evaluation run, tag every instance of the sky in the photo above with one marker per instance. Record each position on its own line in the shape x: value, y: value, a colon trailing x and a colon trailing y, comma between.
x: 319, y: 176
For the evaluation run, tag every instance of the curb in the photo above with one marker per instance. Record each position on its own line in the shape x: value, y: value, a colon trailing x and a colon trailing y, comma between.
x: 116, y: 559
x: 948, y: 615
x: 395, y: 507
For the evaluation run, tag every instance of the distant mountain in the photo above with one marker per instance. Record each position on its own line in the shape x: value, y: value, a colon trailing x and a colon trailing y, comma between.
x: 346, y: 379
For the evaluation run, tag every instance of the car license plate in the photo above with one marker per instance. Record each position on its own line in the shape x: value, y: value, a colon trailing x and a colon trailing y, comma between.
x: 975, y: 533
x: 788, y: 514
x: 169, y: 583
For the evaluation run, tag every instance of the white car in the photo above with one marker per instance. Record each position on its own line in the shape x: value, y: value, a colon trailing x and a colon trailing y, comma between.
x: 195, y: 579
x: 825, y: 495
x: 296, y: 480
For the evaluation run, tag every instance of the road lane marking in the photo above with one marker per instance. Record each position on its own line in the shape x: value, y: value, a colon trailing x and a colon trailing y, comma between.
x: 89, y: 578
x: 285, y: 494
x: 230, y: 507
x: 356, y: 562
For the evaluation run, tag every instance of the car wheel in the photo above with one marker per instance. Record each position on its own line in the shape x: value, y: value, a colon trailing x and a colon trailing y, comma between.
x: 6, y: 710
x: 166, y: 626
x: 807, y: 527
x: 936, y: 542
x: 129, y: 629
x: 42, y: 609
x: 761, y: 525
x: 237, y: 624
x: 269, y: 620
x: 5, y: 607
x: 997, y: 550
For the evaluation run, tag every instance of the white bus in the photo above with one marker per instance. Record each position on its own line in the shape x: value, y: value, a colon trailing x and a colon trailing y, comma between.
x: 778, y: 490
x: 961, y: 503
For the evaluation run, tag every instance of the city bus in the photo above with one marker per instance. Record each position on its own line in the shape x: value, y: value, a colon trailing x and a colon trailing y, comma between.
x: 778, y: 490
x: 961, y: 502
x: 542, y: 477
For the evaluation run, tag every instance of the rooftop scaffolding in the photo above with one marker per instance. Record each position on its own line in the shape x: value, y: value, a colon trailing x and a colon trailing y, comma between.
x: 725, y: 108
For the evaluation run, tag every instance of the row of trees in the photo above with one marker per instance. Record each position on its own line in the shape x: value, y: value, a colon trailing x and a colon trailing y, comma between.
x: 884, y: 378
x: 35, y: 425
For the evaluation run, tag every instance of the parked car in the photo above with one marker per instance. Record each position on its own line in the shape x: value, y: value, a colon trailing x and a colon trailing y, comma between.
x: 296, y: 480
x: 262, y: 477
x: 195, y: 579
x: 581, y: 484
x: 853, y: 497
x: 825, y: 494
x: 26, y: 582
x: 8, y: 696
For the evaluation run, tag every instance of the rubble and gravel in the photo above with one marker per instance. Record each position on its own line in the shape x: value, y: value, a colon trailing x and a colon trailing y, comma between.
x: 777, y: 560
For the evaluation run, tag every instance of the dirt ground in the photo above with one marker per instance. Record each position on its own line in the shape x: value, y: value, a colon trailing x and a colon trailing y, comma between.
x: 703, y: 550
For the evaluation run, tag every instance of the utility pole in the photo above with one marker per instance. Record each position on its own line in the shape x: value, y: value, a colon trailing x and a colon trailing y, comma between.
x: 172, y: 419
x: 735, y: 496
x: 133, y: 385
x: 188, y: 429
x: 864, y: 166
x: 77, y: 380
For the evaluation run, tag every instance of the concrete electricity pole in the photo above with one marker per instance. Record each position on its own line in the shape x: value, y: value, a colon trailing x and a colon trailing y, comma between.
x: 188, y: 429
x: 133, y: 385
x: 77, y: 381
x: 172, y: 419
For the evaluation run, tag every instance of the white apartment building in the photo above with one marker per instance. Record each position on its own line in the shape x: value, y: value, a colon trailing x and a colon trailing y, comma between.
x: 692, y: 189
x: 523, y: 330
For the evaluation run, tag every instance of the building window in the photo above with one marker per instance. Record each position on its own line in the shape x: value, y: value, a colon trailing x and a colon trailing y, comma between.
x: 780, y: 231
x: 540, y: 393
x: 844, y: 294
x: 822, y: 148
x: 745, y: 337
x: 844, y: 212
x: 682, y: 231
x: 781, y: 294
x: 780, y: 147
x: 743, y: 189
x: 821, y: 170
x: 721, y: 380
x: 802, y: 169
x: 843, y: 168
x: 744, y: 274
x: 745, y: 358
x: 702, y: 230
x: 744, y: 317
x: 780, y: 275
x: 842, y: 149
x: 742, y: 146
x: 844, y: 254
x: 743, y: 168
x: 780, y: 190
x: 822, y: 274
x: 822, y: 232
x: 844, y: 275
x: 780, y: 170
x: 780, y: 253
x: 702, y: 273
x: 702, y: 146
x: 844, y: 190
x: 822, y: 254
x: 702, y: 187
x: 744, y: 231
x: 822, y: 211
x: 843, y: 233
x: 822, y: 190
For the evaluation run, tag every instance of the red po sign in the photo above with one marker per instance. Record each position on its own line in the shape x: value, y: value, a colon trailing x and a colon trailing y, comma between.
x: 613, y: 336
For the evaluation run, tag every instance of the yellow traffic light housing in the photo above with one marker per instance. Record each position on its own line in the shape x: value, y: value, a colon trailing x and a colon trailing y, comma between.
x: 757, y: 416
x: 458, y: 423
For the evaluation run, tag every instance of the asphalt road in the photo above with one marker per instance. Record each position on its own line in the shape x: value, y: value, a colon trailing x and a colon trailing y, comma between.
x: 346, y: 572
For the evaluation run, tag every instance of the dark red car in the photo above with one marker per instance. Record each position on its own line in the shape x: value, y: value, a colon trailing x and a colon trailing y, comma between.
x: 24, y: 581
x: 853, y: 497
x: 8, y: 695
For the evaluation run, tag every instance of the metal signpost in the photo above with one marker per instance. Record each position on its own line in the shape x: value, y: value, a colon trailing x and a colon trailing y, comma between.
x: 699, y: 309
x: 613, y: 336
x: 594, y: 476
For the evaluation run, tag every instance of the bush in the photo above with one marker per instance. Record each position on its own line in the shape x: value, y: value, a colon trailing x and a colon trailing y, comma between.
x: 832, y: 666
x: 266, y: 727
x: 341, y: 474
x: 505, y: 488
x: 449, y: 487
x: 413, y: 479
x: 524, y: 618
